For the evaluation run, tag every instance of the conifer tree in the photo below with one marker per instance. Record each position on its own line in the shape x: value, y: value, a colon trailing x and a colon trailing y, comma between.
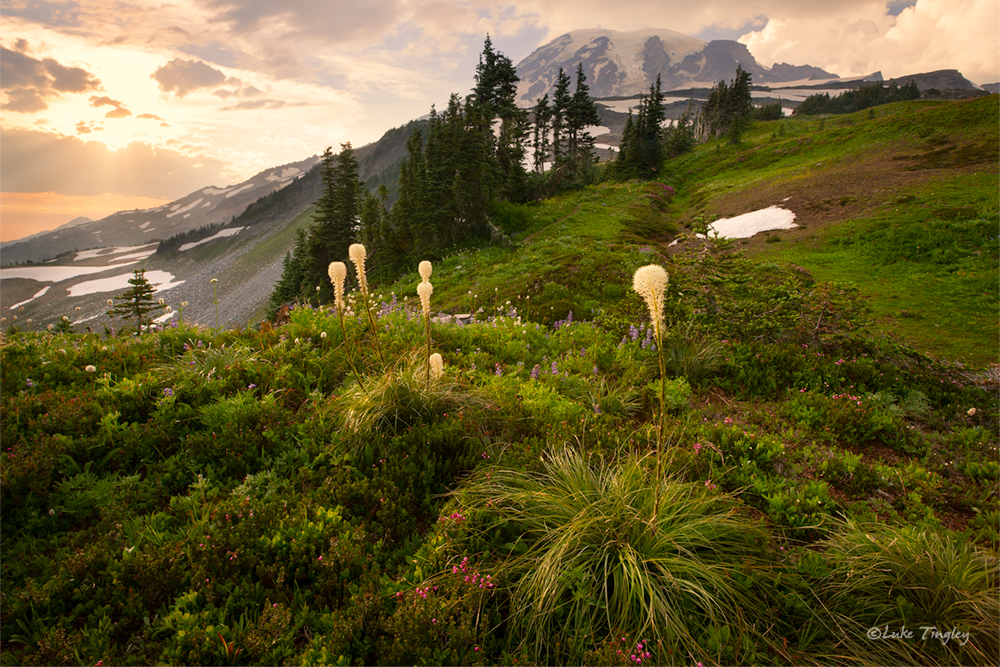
x: 581, y: 113
x: 561, y: 102
x: 540, y: 137
x: 494, y: 97
x: 334, y: 227
x: 642, y: 149
x: 137, y: 301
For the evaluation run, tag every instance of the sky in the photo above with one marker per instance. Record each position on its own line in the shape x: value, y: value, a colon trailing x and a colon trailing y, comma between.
x: 109, y: 105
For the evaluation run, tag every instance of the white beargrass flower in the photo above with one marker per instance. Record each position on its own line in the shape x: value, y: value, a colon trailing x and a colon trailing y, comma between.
x: 424, y: 291
x: 90, y: 368
x: 358, y: 254
x: 651, y: 283
x: 425, y: 270
x: 338, y: 274
x: 437, y: 366
x: 110, y: 302
x: 322, y: 334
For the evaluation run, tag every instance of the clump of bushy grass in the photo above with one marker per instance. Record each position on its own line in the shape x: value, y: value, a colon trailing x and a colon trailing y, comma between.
x: 402, y: 396
x: 611, y: 551
x: 885, y: 578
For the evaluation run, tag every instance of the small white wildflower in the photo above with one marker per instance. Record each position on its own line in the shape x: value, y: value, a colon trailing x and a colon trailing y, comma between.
x: 110, y: 302
x: 160, y: 300
x: 322, y: 334
x: 169, y: 309
x: 214, y: 280
x: 972, y: 412
x: 90, y: 368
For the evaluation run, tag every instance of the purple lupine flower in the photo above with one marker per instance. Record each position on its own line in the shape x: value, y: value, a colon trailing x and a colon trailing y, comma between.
x: 535, y: 371
x: 498, y: 370
x: 167, y: 391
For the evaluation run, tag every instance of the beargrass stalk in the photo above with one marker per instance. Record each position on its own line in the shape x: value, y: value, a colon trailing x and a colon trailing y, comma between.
x: 424, y: 291
x: 358, y: 254
x: 651, y: 283
x: 215, y: 299
x: 338, y: 274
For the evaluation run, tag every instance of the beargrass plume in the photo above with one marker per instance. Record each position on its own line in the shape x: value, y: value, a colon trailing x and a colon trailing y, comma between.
x: 606, y: 558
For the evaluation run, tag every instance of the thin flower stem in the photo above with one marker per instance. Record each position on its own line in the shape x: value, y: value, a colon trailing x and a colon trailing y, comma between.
x: 371, y: 321
x: 427, y: 327
x: 347, y: 348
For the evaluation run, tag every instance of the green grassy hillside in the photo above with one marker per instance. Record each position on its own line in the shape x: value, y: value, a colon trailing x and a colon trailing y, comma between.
x: 772, y: 474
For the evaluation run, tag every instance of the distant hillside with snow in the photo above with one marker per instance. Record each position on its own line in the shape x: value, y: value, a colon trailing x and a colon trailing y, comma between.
x: 207, y: 206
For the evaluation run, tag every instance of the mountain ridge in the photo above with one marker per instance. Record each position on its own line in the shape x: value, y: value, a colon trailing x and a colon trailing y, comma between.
x: 620, y: 63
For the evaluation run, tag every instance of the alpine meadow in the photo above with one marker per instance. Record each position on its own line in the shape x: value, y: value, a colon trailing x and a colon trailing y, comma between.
x: 531, y: 407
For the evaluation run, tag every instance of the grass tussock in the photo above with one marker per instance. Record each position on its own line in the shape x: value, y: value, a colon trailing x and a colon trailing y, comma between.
x: 605, y: 557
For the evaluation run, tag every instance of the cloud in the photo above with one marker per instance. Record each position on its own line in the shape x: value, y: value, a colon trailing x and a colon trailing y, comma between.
x: 149, y: 116
x: 29, y: 83
x: 119, y: 110
x: 331, y: 22
x: 37, y: 161
x: 254, y: 104
x: 184, y: 76
x: 929, y: 35
x: 85, y: 127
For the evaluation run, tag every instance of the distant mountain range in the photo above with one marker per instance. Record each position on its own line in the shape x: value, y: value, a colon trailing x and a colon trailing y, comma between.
x: 249, y: 226
x: 624, y: 64
x: 207, y: 206
x: 237, y: 234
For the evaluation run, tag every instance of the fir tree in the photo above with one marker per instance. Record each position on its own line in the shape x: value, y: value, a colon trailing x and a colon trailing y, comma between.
x: 582, y: 112
x: 642, y: 151
x: 137, y: 301
x: 334, y: 227
x: 540, y: 138
x: 561, y: 102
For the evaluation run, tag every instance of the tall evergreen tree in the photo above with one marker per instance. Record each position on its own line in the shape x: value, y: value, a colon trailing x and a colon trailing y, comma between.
x: 494, y: 98
x: 642, y: 150
x: 582, y: 112
x: 728, y: 108
x: 540, y: 137
x: 561, y: 102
